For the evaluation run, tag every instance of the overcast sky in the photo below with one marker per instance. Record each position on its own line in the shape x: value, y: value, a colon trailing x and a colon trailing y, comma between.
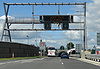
x: 52, y: 38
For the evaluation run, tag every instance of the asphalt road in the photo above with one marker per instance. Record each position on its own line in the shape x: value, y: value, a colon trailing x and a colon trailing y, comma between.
x: 47, y: 63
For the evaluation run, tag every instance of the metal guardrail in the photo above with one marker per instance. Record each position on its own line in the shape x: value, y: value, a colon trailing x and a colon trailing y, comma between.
x: 93, y: 57
x: 22, y: 20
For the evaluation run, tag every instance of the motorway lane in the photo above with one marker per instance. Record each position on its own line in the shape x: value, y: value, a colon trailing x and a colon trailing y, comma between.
x: 48, y: 63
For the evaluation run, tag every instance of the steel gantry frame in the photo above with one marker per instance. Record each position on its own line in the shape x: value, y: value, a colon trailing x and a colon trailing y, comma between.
x: 7, y: 23
x: 6, y: 32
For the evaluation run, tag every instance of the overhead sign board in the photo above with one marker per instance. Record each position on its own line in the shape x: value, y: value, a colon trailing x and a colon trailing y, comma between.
x: 78, y: 48
x: 42, y: 45
x: 57, y: 18
x: 98, y: 39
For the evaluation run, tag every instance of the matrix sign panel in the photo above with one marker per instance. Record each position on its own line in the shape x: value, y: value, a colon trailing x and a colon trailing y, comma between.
x: 56, y: 18
x: 49, y: 19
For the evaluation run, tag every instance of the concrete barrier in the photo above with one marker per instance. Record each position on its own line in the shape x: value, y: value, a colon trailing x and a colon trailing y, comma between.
x: 93, y: 57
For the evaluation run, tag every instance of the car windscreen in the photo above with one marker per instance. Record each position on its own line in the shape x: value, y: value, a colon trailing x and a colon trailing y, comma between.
x: 51, y: 48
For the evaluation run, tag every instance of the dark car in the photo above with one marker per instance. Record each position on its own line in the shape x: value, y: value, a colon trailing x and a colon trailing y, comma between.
x: 64, y: 55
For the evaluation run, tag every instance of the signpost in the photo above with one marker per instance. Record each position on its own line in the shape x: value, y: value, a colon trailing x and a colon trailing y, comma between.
x: 42, y: 48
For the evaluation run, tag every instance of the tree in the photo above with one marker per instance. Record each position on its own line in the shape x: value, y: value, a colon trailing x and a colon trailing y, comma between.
x: 93, y: 50
x: 62, y: 48
x: 70, y: 45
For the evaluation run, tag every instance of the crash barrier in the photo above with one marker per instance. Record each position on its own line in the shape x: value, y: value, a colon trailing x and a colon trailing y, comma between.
x: 93, y: 57
x: 10, y: 49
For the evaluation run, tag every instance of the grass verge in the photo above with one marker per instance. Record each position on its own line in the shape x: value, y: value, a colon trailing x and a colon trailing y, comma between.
x: 20, y: 58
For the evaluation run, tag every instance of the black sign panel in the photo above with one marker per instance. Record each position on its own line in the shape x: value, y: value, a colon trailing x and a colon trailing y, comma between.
x: 49, y: 19
x: 47, y: 26
x: 56, y: 18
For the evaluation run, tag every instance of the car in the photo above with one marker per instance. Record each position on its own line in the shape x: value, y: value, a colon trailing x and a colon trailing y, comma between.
x: 64, y: 55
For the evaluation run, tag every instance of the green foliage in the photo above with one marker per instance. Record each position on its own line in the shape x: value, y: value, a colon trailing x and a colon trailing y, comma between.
x: 70, y: 45
x: 21, y: 58
x: 62, y: 48
x: 93, y: 51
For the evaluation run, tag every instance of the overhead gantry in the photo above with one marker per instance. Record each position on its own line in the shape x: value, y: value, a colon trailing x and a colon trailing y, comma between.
x: 46, y: 20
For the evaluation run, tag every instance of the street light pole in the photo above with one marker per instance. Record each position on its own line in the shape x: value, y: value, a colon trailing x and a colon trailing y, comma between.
x: 27, y: 39
x: 36, y: 42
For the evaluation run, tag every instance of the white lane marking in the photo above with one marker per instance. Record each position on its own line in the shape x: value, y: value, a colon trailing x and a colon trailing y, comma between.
x: 2, y: 63
x: 62, y: 63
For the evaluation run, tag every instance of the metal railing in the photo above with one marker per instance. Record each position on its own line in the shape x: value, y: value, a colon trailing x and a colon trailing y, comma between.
x: 21, y: 20
x: 93, y: 57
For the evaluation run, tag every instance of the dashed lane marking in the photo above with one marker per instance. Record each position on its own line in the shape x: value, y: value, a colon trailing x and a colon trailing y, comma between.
x: 62, y: 63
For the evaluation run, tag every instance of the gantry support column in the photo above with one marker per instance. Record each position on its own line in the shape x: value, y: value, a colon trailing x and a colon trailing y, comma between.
x: 85, y: 31
x: 6, y: 32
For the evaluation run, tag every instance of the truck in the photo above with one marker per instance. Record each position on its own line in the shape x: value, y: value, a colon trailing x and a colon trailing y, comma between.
x: 52, y: 51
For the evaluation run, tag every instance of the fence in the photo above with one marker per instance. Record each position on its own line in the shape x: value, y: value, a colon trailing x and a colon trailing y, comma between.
x: 8, y: 49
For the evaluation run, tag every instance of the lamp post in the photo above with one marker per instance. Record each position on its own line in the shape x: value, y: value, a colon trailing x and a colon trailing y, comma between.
x: 36, y: 42
x: 27, y: 39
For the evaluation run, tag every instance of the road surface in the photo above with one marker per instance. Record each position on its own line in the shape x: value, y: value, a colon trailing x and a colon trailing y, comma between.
x: 47, y: 63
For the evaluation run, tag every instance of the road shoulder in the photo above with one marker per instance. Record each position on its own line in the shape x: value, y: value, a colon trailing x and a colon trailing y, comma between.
x: 87, y: 61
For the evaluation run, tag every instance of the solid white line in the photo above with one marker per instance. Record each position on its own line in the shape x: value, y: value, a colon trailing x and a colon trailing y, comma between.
x: 2, y: 63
